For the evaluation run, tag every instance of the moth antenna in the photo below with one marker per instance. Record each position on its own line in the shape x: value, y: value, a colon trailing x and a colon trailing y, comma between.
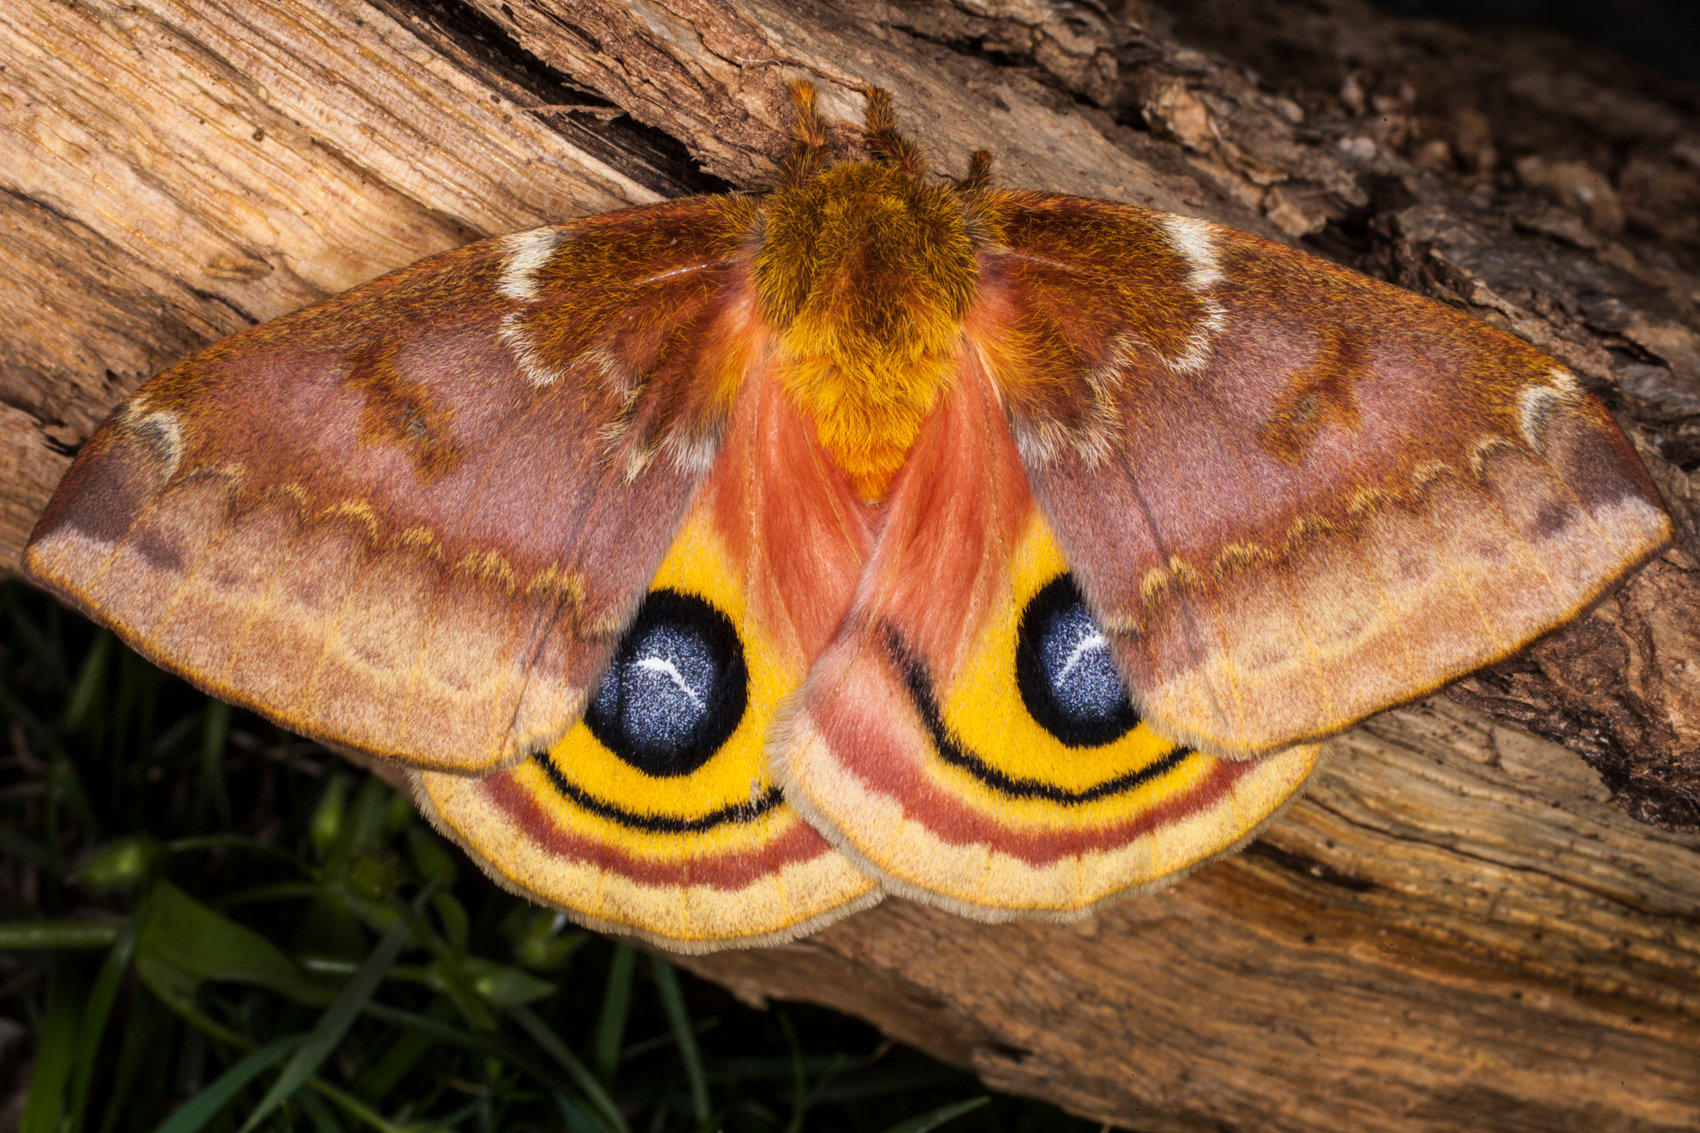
x: 979, y: 171
x: 808, y: 135
x: 883, y: 139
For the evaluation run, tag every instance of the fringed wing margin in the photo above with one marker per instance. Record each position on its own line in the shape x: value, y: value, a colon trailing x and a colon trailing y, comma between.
x: 414, y: 519
x: 1292, y: 495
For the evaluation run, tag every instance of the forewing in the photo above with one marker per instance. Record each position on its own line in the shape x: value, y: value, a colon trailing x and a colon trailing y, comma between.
x: 1292, y: 495
x: 655, y: 815
x: 414, y: 519
x: 966, y: 736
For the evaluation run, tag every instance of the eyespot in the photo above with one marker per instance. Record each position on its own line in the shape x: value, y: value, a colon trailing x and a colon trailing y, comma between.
x: 1065, y: 671
x: 675, y: 689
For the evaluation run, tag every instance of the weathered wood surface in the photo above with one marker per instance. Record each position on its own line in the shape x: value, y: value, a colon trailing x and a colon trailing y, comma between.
x: 1457, y: 928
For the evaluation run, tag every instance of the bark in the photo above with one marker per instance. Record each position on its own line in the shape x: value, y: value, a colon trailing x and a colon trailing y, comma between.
x: 1459, y: 926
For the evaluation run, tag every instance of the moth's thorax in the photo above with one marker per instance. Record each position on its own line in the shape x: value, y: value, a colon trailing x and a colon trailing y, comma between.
x: 866, y: 273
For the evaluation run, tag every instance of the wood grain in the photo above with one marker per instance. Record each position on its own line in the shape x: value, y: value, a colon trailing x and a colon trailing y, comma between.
x: 1453, y: 930
x: 1460, y: 927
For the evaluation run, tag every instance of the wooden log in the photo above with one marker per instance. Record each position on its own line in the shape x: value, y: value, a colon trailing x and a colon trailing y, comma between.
x: 1453, y: 930
x: 1457, y: 927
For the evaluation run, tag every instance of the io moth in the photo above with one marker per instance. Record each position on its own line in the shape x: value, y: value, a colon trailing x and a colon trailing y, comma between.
x: 721, y: 565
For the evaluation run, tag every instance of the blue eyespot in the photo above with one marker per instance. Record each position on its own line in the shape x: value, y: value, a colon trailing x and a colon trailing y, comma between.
x: 1065, y: 671
x: 675, y: 689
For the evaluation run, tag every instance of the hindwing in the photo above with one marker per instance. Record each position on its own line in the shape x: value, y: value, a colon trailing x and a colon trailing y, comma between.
x: 966, y: 735
x: 656, y: 814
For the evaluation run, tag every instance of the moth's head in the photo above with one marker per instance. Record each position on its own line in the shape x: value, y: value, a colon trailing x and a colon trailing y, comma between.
x: 881, y: 255
x: 866, y: 269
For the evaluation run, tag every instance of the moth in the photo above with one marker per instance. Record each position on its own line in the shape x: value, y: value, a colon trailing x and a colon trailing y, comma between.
x: 721, y: 565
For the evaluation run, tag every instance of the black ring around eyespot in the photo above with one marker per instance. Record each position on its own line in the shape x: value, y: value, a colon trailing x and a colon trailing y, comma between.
x: 951, y: 750
x: 1092, y: 717
x: 658, y: 823
x: 675, y: 689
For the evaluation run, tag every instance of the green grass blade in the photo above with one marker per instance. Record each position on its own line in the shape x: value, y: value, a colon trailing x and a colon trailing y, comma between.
x: 207, y: 1104
x: 495, y: 1048
x: 656, y: 1042
x: 91, y: 681
x: 33, y: 936
x: 325, y: 828
x: 92, y: 1030
x: 66, y: 786
x: 53, y: 1057
x: 799, y: 1076
x: 550, y: 1043
x: 180, y: 943
x: 451, y: 914
x: 363, y: 827
x: 149, y: 1028
x: 935, y: 1118
x: 673, y: 1003
x: 335, y: 1021
x: 213, y: 793
x: 409, y: 1048
x: 574, y: 1118
x: 616, y: 1008
x: 320, y: 1115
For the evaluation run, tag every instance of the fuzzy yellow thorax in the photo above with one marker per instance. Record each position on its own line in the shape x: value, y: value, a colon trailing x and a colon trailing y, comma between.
x: 867, y: 272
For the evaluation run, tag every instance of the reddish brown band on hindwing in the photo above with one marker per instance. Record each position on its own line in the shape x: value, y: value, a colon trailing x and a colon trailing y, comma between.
x: 414, y: 518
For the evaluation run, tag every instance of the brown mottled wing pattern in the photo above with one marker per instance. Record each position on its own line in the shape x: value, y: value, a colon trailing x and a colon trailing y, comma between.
x: 1291, y: 494
x: 414, y: 518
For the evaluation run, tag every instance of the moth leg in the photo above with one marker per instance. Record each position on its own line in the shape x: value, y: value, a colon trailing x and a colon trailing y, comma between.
x: 883, y: 140
x: 808, y: 136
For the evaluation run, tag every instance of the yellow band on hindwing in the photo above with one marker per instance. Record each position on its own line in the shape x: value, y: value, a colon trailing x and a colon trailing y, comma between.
x: 704, y: 859
x: 732, y: 780
x: 984, y: 709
